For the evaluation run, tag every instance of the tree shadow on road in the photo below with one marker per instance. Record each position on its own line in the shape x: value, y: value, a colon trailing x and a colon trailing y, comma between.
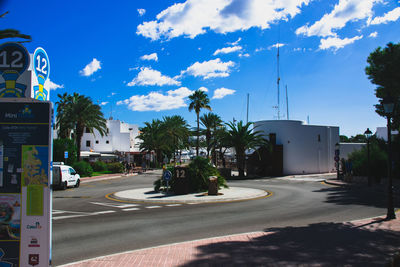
x: 321, y: 244
x: 375, y: 196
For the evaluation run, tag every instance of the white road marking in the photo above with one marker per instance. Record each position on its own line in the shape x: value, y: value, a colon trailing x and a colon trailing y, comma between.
x: 130, y: 209
x: 76, y: 214
x: 58, y: 211
x: 173, y: 205
x: 69, y: 216
x: 153, y: 207
x: 103, y: 212
x: 121, y: 206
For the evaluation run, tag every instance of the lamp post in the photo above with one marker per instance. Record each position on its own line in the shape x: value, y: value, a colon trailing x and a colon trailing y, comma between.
x: 337, y: 159
x: 368, y: 135
x: 388, y: 105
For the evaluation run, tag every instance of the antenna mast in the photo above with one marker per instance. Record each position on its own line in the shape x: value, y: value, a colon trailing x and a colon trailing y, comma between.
x: 247, y: 116
x: 279, y: 78
x: 287, y: 104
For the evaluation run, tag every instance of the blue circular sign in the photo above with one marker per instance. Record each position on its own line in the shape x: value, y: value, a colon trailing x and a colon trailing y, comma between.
x: 167, y: 175
x: 41, y: 64
x: 13, y: 58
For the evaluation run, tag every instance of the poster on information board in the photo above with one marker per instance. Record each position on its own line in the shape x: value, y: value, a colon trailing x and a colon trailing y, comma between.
x: 25, y: 194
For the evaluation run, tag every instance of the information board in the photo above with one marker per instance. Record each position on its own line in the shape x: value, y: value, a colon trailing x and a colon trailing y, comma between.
x: 25, y: 194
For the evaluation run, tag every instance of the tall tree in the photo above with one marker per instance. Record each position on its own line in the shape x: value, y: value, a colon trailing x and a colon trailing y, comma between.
x: 152, y: 138
x: 383, y: 70
x: 211, y: 122
x: 242, y: 137
x: 176, y: 132
x: 79, y: 112
x: 199, y: 100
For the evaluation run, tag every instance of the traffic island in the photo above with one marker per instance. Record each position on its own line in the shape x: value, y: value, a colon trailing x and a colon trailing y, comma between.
x: 148, y: 195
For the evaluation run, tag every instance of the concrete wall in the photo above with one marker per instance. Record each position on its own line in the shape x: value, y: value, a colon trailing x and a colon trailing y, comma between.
x: 306, y: 148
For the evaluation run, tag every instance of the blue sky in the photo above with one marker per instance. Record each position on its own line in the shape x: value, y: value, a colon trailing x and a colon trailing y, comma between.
x: 141, y: 59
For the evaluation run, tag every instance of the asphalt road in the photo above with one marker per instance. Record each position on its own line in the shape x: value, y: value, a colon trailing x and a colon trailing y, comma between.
x: 86, y: 224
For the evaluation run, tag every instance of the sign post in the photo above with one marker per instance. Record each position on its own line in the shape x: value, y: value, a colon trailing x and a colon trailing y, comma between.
x: 167, y: 176
x: 25, y: 159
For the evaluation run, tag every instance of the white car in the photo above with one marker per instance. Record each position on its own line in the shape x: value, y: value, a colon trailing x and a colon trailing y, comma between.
x: 65, y: 176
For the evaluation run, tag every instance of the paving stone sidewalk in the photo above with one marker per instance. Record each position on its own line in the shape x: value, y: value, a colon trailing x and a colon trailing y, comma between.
x: 368, y: 242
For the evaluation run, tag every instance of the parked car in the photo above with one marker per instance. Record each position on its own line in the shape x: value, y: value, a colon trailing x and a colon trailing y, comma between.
x: 65, y: 176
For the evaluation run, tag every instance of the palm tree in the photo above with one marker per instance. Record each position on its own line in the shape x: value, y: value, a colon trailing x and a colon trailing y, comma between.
x: 11, y: 33
x: 211, y: 122
x: 152, y: 138
x: 199, y: 100
x: 241, y: 137
x: 176, y: 131
x: 79, y: 113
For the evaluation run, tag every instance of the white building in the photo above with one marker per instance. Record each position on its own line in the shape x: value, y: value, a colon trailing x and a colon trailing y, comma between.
x: 121, y: 137
x: 306, y: 148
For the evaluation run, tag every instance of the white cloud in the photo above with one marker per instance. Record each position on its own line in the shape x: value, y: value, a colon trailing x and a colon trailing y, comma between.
x: 148, y: 76
x: 210, y: 69
x: 48, y: 84
x: 91, y: 68
x: 244, y: 55
x: 103, y: 103
x: 373, y: 35
x: 204, y: 89
x: 150, y: 57
x: 141, y: 11
x: 259, y: 49
x: 388, y: 17
x: 222, y: 92
x: 275, y: 45
x: 345, y: 11
x: 227, y: 50
x: 156, y: 101
x: 235, y: 43
x: 195, y: 17
x: 337, y: 43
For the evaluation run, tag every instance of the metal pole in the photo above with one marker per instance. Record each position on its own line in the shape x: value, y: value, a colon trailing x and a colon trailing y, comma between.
x: 390, y: 209
x: 368, y: 169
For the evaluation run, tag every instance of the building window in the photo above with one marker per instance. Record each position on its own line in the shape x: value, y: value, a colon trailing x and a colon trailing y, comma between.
x: 87, y: 130
x: 88, y: 143
x: 108, y: 131
x: 319, y: 138
x: 97, y: 141
x: 107, y: 142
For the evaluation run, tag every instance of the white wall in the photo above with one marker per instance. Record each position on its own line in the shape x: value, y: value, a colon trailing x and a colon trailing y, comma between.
x: 306, y: 148
x: 121, y: 136
x: 347, y: 148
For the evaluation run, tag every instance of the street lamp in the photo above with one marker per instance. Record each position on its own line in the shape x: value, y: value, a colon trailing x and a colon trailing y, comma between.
x: 368, y: 135
x: 337, y: 158
x: 388, y: 106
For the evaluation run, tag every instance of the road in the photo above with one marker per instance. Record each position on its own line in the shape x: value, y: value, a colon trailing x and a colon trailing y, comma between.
x: 87, y: 225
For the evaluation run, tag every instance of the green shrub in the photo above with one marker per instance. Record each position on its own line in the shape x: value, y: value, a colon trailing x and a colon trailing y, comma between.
x: 198, y: 172
x: 83, y: 168
x: 62, y: 145
x: 377, y: 164
x: 115, y: 167
x: 99, y: 166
